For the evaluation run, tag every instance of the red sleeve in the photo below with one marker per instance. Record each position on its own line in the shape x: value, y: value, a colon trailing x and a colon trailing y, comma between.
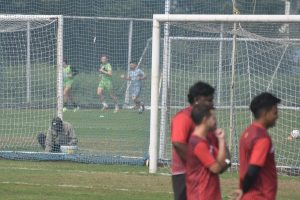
x: 203, y: 154
x: 181, y: 128
x: 259, y: 152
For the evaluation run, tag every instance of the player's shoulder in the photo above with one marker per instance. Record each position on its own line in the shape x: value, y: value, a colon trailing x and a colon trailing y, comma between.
x: 198, y: 144
x: 186, y: 111
x: 253, y: 133
x: 195, y: 140
x: 107, y: 65
x: 184, y: 114
x: 258, y: 130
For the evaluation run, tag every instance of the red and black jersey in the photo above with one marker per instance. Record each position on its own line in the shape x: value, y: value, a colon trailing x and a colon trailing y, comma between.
x: 200, y: 181
x: 256, y: 149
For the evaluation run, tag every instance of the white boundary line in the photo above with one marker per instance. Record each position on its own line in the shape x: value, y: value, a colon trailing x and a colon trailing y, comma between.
x: 80, y: 171
x: 80, y: 186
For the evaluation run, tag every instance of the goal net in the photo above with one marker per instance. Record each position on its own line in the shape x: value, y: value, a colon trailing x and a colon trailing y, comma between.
x: 32, y: 90
x: 239, y: 58
x: 31, y: 79
x: 30, y: 48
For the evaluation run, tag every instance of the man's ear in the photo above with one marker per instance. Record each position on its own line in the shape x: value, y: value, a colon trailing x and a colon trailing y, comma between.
x: 263, y: 113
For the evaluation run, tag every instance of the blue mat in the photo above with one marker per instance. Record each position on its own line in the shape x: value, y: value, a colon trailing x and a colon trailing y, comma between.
x: 82, y: 158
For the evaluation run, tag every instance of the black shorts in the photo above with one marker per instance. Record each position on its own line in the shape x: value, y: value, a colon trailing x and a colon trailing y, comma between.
x: 179, y: 187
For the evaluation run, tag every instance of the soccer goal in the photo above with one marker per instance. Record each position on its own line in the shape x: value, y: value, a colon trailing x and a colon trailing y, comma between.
x: 31, y: 86
x: 241, y: 56
x: 31, y: 58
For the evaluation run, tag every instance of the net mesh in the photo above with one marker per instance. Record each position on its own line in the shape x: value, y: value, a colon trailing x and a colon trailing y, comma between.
x: 267, y: 59
x: 103, y: 136
x: 28, y: 81
x: 123, y: 138
x: 124, y: 134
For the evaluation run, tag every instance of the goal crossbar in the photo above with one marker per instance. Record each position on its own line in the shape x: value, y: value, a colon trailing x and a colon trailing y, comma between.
x: 28, y: 17
x: 225, y: 18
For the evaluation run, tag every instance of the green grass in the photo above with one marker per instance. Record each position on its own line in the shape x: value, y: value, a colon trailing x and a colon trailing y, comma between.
x: 124, y: 133
x: 127, y: 132
x: 23, y: 180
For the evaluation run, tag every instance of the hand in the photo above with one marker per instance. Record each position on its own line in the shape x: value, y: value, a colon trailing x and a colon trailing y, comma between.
x: 237, y: 194
x: 122, y: 76
x: 220, y: 134
x: 103, y: 71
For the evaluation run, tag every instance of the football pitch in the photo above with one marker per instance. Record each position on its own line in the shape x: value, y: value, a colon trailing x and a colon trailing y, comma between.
x: 26, y: 180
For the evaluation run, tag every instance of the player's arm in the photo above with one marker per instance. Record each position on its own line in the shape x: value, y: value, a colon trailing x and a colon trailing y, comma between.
x: 215, y: 165
x: 142, y: 75
x: 127, y: 78
x: 220, y: 163
x: 181, y: 150
x: 49, y: 141
x: 108, y: 70
x: 257, y: 160
x: 180, y: 130
x: 227, y: 160
x: 250, y: 177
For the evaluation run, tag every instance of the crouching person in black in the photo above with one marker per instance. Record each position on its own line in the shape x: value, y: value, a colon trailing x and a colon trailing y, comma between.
x: 59, y: 133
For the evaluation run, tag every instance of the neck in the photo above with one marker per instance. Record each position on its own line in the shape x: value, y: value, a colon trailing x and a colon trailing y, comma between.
x: 262, y: 123
x: 201, y: 131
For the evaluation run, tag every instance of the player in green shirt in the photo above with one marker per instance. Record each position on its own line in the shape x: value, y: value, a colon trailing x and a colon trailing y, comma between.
x: 68, y: 77
x: 106, y: 83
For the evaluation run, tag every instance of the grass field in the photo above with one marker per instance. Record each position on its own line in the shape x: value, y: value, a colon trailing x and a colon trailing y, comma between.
x: 111, y: 134
x: 127, y: 132
x: 24, y: 180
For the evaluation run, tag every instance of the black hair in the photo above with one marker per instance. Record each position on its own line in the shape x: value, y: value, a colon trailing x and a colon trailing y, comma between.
x: 200, y: 89
x: 200, y: 111
x: 57, y: 124
x: 263, y: 102
x: 133, y: 62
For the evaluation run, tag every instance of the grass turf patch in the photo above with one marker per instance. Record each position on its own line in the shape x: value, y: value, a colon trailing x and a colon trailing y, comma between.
x: 65, y: 180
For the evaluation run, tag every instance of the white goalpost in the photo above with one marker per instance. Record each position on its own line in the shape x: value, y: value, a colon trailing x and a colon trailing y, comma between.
x: 246, y: 60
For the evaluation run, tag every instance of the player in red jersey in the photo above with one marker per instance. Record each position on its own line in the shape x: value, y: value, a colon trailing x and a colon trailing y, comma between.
x: 182, y: 127
x: 258, y: 176
x: 206, y: 156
